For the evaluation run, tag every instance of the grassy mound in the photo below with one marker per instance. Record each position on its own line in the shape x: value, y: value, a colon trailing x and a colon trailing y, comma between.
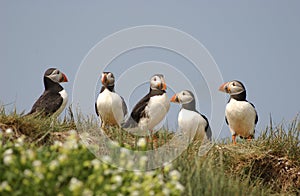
x: 42, y: 156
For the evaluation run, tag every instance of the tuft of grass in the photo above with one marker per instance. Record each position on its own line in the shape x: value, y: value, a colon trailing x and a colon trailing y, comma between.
x: 268, y: 165
x: 37, y: 129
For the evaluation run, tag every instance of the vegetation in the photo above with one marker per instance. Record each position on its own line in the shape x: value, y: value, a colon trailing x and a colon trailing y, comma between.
x: 44, y: 156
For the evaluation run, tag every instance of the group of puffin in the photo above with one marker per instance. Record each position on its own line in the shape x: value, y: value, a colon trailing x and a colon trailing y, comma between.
x: 240, y: 115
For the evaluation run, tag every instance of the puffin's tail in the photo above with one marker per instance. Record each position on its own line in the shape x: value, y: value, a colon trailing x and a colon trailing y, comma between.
x: 129, y: 123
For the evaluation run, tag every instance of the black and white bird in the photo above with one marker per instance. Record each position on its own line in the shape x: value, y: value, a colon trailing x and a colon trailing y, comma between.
x: 110, y: 107
x: 54, y: 98
x: 151, y: 109
x: 240, y: 114
x: 190, y: 121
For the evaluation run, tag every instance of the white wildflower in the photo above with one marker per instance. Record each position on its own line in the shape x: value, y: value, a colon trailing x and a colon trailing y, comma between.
x: 53, y: 165
x: 8, y: 152
x: 75, y: 184
x: 39, y: 175
x: 87, y: 192
x: 166, y: 191
x: 9, y: 131
x: 135, y: 193
x: 141, y: 142
x: 5, y: 186
x: 57, y: 143
x: 117, y: 179
x: 8, y: 159
x: 27, y: 172
x: 20, y: 140
x: 37, y: 163
x: 174, y: 175
x: 62, y: 158
x: 70, y: 144
x: 96, y: 163
x: 30, y: 154
x: 179, y: 187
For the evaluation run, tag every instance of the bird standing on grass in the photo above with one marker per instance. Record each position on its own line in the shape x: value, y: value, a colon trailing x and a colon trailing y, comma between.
x: 190, y: 121
x: 110, y: 107
x: 54, y: 98
x: 240, y: 114
x: 152, y: 108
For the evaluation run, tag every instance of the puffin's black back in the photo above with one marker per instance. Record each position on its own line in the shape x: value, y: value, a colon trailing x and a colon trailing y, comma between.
x: 50, y: 101
x: 139, y: 109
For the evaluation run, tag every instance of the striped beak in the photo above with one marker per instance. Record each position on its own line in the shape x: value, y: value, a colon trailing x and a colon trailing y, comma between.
x: 174, y: 99
x: 104, y: 78
x: 224, y: 88
x: 63, y: 78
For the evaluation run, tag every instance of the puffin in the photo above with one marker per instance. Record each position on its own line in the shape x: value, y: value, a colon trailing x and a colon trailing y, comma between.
x: 189, y: 119
x: 54, y: 98
x: 151, y: 109
x: 240, y: 114
x: 110, y: 107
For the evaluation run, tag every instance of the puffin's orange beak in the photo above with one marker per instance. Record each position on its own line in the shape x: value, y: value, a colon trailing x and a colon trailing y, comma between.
x: 104, y: 79
x: 174, y: 99
x: 224, y: 88
x: 64, y: 78
x: 164, y: 86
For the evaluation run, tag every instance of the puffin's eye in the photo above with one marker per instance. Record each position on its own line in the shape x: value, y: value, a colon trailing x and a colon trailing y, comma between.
x: 57, y: 72
x: 183, y: 93
x: 233, y: 84
x: 154, y: 79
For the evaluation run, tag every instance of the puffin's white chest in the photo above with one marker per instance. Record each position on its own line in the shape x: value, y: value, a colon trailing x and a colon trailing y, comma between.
x: 241, y: 117
x: 190, y: 122
x: 109, y: 106
x: 64, y: 95
x: 156, y: 110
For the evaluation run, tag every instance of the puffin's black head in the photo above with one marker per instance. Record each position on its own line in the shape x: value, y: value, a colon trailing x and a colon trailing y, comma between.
x: 157, y: 82
x: 235, y: 89
x: 55, y: 75
x: 108, y: 79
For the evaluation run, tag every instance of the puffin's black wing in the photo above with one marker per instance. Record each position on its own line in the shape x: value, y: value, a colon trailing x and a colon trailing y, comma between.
x: 207, y: 123
x: 139, y: 109
x: 226, y: 120
x: 48, y: 103
x: 124, y: 106
x: 256, y: 117
x: 96, y: 109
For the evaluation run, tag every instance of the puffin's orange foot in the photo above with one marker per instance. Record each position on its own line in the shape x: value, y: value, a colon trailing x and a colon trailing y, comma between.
x: 234, y: 139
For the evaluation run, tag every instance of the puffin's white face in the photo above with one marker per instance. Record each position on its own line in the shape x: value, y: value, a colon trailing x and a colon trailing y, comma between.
x: 158, y: 82
x: 108, y: 79
x: 234, y: 87
x: 183, y: 97
x: 55, y: 75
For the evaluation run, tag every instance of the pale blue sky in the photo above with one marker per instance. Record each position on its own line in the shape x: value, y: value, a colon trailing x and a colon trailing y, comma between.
x: 257, y: 42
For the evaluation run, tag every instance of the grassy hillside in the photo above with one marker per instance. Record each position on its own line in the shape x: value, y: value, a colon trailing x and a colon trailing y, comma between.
x: 43, y: 157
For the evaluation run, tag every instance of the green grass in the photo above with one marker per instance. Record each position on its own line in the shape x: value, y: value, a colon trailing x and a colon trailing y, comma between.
x: 42, y: 157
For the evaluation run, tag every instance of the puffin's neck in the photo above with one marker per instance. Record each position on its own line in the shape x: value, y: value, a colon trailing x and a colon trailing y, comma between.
x: 111, y: 88
x: 51, y: 85
x: 189, y: 106
x: 239, y: 97
x: 156, y: 91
